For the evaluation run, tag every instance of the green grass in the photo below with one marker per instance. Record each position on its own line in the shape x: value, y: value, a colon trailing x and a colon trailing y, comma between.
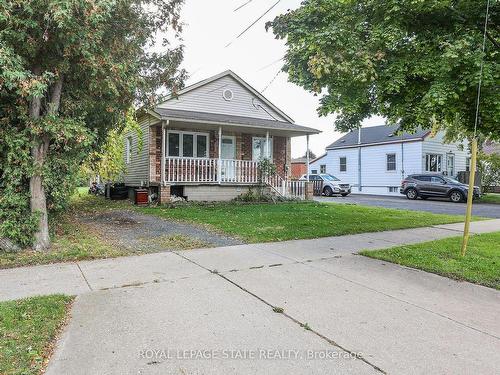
x: 493, y: 198
x: 28, y: 329
x: 71, y: 242
x: 481, y: 264
x: 287, y: 221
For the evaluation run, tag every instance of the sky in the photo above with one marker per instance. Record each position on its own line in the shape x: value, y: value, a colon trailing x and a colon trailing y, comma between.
x: 211, y: 25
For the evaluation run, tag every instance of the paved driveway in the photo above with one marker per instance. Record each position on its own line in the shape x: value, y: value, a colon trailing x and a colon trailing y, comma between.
x: 438, y: 206
x: 210, y: 311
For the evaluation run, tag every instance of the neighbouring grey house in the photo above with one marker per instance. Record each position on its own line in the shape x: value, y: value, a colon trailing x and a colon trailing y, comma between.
x: 205, y: 143
x: 375, y: 159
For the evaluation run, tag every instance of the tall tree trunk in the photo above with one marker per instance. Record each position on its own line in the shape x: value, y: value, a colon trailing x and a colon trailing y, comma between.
x: 38, y: 199
x: 39, y: 153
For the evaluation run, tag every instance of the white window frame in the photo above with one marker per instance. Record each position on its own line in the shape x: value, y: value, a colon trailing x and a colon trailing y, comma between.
x: 340, y: 164
x: 181, y: 144
x: 322, y: 168
x: 128, y: 150
x: 387, y: 162
x: 428, y: 164
x: 271, y: 148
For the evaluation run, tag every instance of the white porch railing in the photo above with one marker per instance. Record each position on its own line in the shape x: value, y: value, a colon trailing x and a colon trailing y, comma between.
x: 207, y: 170
x: 287, y: 188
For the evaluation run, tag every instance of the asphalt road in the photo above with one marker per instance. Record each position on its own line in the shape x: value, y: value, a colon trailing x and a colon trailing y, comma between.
x: 438, y: 206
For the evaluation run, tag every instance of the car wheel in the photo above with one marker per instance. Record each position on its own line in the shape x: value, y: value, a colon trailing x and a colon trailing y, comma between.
x: 411, y: 194
x: 328, y: 191
x: 345, y: 194
x: 456, y: 196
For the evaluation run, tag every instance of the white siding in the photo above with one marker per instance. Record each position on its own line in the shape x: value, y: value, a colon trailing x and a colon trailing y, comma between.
x: 137, y: 171
x: 436, y: 145
x: 375, y: 179
x: 208, y: 98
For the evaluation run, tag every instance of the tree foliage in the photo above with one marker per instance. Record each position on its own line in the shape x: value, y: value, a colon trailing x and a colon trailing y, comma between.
x: 108, y: 162
x: 414, y: 62
x: 69, y: 71
x: 489, y: 167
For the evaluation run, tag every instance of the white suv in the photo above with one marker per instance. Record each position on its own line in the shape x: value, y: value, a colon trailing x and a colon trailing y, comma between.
x: 330, y: 184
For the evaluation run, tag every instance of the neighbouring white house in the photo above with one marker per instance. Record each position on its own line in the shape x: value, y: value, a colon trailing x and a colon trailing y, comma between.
x: 374, y: 160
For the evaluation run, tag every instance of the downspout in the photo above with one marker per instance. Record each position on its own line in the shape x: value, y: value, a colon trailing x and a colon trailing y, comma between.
x: 360, y: 188
x: 163, y: 151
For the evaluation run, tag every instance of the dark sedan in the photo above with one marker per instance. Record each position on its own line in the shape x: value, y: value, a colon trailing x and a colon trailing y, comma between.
x: 435, y: 185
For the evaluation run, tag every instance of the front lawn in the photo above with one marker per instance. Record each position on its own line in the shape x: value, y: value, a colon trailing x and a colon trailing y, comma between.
x: 288, y: 221
x: 493, y: 198
x: 28, y: 330
x: 481, y: 264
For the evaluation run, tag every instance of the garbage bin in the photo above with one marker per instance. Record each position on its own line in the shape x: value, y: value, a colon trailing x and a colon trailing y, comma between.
x: 141, y: 197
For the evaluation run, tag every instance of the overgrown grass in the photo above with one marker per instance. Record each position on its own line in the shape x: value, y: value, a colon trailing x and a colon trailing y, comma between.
x: 481, y: 264
x: 287, y: 221
x: 28, y: 329
x: 493, y: 198
x: 71, y: 241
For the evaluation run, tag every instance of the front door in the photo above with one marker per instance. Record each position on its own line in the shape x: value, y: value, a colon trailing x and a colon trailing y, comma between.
x: 228, y: 155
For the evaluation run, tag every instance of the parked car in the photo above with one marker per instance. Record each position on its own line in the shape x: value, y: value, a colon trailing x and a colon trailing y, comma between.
x: 435, y: 185
x: 331, y: 184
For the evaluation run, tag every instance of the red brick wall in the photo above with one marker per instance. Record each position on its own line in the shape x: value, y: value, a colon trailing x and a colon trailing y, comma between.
x: 298, y: 169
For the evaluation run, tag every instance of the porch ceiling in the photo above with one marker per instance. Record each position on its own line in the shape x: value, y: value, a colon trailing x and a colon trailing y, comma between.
x: 237, y: 123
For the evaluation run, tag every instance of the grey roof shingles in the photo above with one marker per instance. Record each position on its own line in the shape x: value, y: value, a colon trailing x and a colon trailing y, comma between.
x: 376, y: 134
x: 233, y: 120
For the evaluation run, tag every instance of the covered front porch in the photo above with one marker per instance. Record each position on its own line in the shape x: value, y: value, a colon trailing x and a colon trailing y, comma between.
x: 191, y: 151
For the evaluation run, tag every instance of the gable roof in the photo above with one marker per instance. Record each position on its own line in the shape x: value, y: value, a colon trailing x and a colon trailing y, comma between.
x: 217, y: 118
x: 376, y: 135
x: 230, y: 73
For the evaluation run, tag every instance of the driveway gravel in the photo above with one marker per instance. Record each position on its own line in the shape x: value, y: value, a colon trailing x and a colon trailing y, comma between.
x: 140, y: 232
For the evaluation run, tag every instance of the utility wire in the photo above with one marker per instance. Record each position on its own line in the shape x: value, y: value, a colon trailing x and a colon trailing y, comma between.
x: 481, y: 68
x: 270, y: 64
x: 242, y: 5
x: 271, y: 81
x: 253, y: 23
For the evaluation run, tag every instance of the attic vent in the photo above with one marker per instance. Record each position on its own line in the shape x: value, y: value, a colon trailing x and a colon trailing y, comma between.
x: 227, y: 95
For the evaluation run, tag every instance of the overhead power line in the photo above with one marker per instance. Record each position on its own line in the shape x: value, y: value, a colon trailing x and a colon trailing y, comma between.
x: 253, y: 23
x: 271, y: 81
x: 242, y: 5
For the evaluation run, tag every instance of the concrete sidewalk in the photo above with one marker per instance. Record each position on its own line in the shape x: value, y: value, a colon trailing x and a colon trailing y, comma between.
x: 203, y: 311
x: 86, y: 276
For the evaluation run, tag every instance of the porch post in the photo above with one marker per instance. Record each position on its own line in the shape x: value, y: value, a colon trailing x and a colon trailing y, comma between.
x: 267, y: 145
x: 163, y: 153
x: 307, y: 156
x: 219, y: 160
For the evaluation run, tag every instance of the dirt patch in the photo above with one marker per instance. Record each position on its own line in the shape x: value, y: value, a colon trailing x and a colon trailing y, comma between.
x: 144, y: 233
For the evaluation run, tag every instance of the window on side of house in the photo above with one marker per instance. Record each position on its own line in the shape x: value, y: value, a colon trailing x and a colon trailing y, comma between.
x: 259, y: 148
x: 467, y: 164
x: 187, y: 144
x: 314, y: 171
x: 128, y: 149
x: 322, y: 168
x: 343, y: 164
x: 391, y: 162
x: 393, y: 189
x: 433, y: 163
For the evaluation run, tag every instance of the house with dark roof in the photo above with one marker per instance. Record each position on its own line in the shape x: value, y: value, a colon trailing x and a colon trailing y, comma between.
x: 374, y: 160
x: 205, y: 142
